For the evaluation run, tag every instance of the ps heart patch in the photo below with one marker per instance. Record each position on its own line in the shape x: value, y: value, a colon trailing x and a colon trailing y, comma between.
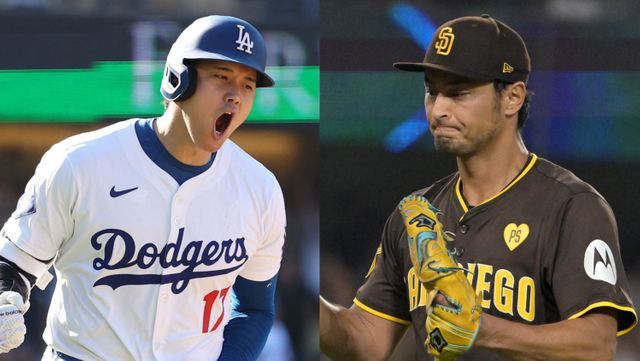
x: 514, y: 234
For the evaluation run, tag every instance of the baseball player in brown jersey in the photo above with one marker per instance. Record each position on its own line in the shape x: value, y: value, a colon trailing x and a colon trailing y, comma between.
x: 540, y: 245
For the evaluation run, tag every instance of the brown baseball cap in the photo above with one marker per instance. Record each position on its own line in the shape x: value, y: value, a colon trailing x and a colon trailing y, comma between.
x: 476, y: 47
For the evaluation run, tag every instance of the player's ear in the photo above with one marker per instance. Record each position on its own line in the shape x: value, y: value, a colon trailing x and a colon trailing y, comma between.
x: 513, y: 97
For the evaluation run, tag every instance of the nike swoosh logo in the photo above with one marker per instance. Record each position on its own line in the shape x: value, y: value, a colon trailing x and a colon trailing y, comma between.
x: 114, y: 193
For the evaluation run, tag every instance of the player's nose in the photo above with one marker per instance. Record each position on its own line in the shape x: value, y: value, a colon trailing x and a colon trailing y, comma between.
x: 437, y: 107
x: 233, y: 95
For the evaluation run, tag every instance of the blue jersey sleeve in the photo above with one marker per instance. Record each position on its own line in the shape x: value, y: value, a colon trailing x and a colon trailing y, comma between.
x: 253, y: 313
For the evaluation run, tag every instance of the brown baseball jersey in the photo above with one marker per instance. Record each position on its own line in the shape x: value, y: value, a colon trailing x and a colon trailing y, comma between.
x: 544, y: 249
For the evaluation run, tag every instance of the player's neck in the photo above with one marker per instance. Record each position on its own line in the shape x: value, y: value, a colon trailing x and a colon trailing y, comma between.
x: 489, y: 171
x: 174, y: 137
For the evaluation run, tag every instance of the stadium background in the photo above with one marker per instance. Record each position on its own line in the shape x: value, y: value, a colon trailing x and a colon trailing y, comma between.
x: 69, y: 66
x: 375, y: 147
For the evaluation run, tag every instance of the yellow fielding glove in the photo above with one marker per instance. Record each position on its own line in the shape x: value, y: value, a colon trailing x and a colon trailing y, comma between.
x: 452, y: 325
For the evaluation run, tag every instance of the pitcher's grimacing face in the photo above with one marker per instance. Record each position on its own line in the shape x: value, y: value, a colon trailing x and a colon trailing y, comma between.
x: 462, y: 113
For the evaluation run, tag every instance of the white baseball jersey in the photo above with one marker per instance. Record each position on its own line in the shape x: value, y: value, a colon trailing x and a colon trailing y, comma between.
x: 145, y: 266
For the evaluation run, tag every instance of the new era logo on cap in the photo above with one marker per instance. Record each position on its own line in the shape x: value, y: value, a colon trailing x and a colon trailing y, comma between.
x: 506, y: 68
x: 476, y: 47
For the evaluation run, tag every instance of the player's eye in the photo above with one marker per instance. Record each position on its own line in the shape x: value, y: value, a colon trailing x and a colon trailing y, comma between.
x: 460, y: 93
x: 220, y: 76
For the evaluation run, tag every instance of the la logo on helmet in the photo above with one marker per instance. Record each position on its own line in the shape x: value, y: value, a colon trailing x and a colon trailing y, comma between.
x: 244, y: 40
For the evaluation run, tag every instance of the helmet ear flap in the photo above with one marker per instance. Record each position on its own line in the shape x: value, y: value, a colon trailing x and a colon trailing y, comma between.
x: 189, y: 79
x: 179, y: 85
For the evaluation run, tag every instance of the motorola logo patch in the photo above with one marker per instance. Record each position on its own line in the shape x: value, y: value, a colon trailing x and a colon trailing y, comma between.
x: 599, y: 263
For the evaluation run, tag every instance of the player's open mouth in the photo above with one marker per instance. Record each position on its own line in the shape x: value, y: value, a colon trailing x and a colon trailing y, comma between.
x: 222, y: 123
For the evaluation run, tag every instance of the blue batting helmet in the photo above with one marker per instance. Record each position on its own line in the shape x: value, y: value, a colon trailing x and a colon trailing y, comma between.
x: 213, y: 37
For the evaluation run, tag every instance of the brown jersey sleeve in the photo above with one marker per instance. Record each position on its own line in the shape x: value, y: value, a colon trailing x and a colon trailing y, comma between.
x: 384, y: 293
x: 587, y: 269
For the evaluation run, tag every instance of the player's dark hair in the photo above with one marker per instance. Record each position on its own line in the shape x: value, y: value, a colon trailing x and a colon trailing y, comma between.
x: 523, y: 113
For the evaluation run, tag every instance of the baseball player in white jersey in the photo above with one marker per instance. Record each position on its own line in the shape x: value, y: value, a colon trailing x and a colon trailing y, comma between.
x: 165, y: 236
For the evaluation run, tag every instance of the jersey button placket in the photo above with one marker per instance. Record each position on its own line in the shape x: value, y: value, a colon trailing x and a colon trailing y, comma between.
x: 178, y: 209
x: 178, y: 212
x: 178, y: 206
x: 457, y: 248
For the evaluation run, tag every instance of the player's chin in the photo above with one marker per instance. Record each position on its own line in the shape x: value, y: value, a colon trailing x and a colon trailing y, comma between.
x: 444, y: 144
x: 212, y: 144
x: 213, y: 147
x: 450, y: 146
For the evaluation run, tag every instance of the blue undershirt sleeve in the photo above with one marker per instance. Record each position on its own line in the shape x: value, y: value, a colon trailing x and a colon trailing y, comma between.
x: 252, y: 315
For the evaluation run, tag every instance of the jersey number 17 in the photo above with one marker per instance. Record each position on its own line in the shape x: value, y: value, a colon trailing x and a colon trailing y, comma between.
x: 209, y: 299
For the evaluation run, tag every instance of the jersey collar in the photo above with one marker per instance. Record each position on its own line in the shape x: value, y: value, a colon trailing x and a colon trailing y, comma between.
x: 463, y: 203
